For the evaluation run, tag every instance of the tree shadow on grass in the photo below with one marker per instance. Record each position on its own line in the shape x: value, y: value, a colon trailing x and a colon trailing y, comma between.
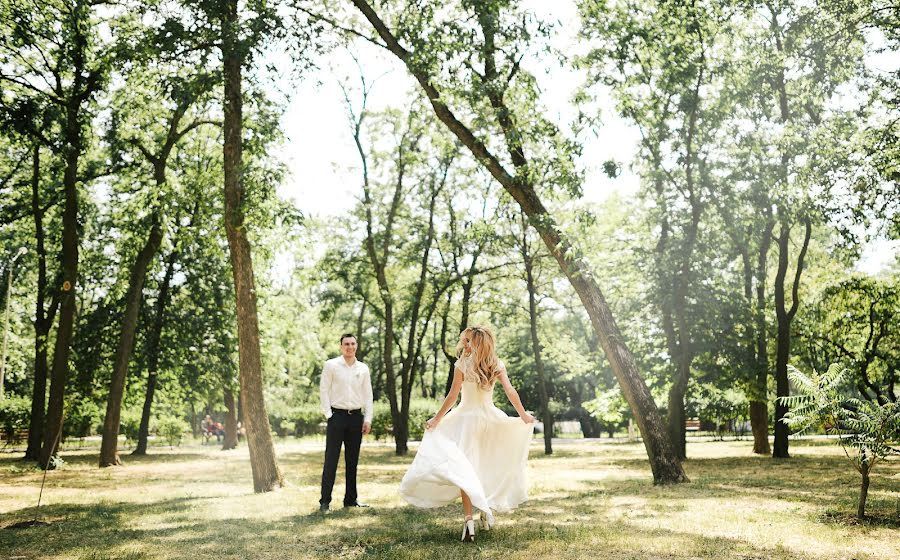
x: 113, y: 531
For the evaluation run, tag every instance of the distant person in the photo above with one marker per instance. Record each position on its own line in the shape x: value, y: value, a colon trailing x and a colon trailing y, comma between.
x: 206, y: 428
x: 346, y: 394
x: 475, y: 451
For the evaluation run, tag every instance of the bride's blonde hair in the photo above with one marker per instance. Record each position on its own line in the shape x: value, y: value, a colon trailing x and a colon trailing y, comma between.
x: 485, y: 365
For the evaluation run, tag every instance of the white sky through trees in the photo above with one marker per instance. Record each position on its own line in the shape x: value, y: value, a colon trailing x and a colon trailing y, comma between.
x: 322, y: 160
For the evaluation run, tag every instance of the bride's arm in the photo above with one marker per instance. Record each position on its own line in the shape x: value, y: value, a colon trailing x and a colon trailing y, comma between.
x: 449, y: 401
x: 513, y: 397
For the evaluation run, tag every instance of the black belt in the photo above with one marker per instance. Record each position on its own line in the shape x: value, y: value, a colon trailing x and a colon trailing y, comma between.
x: 347, y: 412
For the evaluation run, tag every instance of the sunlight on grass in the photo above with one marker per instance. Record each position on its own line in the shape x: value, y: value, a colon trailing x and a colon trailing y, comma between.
x: 590, y: 498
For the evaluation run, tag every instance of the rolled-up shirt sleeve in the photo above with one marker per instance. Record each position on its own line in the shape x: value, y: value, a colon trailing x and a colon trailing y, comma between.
x: 324, y: 388
x: 368, y: 406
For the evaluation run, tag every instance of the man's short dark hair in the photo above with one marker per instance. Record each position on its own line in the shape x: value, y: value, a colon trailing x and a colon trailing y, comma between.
x: 347, y: 335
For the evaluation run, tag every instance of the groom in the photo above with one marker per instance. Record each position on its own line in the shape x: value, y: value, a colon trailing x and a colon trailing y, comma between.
x: 346, y: 392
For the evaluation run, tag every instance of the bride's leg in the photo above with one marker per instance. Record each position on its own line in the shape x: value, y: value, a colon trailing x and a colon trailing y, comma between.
x: 467, y: 504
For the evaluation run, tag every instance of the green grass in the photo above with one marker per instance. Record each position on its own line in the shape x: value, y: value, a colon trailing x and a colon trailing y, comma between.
x: 588, y: 500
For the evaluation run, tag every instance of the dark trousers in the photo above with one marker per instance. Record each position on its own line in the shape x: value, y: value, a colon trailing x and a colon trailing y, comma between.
x: 343, y: 429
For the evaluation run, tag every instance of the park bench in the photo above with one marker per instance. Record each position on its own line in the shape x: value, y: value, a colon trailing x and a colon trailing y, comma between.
x: 16, y: 437
x: 692, y: 425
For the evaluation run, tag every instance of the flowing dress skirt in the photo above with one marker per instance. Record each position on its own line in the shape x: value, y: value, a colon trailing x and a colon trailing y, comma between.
x: 476, y: 448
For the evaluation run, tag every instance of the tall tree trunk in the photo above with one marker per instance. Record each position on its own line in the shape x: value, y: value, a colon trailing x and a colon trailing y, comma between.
x: 785, y: 316
x: 109, y: 455
x: 266, y: 474
x: 664, y: 462
x: 43, y: 319
x: 162, y: 300
x: 59, y: 372
x: 543, y: 392
x: 230, y: 440
x: 759, y: 407
x: 463, y: 321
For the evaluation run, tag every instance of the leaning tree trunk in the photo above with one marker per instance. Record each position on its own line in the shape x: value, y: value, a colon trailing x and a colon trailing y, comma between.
x: 109, y: 455
x: 266, y: 474
x: 230, y: 440
x: 664, y: 462
x: 43, y: 320
x: 162, y: 300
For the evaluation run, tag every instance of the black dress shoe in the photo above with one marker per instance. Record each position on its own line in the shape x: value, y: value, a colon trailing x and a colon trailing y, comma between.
x: 356, y: 504
x: 323, y: 508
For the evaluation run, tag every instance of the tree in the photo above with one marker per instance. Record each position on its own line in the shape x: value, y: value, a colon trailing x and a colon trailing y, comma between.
x: 530, y: 256
x: 867, y: 428
x: 518, y: 127
x: 666, y: 77
x: 855, y: 322
x: 266, y: 474
x: 183, y: 92
x: 54, y: 53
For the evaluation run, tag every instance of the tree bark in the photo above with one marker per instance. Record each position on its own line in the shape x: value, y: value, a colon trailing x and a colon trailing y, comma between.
x: 543, y: 392
x: 230, y: 440
x: 863, y: 494
x: 59, y: 372
x: 266, y: 474
x: 109, y: 455
x: 162, y: 300
x: 43, y: 319
x: 759, y: 408
x: 785, y: 317
x: 664, y: 462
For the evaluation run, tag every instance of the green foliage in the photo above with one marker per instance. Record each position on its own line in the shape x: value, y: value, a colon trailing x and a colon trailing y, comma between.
x: 307, y: 420
x: 14, y: 414
x: 609, y: 409
x: 856, y: 321
x: 130, y: 424
x: 420, y: 410
x: 870, y: 430
x: 172, y: 429
x: 83, y: 419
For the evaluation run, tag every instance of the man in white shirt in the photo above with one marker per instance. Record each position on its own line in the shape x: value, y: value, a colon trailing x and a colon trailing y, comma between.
x: 346, y: 393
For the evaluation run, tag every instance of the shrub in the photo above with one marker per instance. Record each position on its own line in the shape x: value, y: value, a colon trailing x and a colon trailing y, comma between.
x: 420, y: 410
x: 306, y: 420
x: 130, y: 425
x: 83, y: 418
x: 15, y: 413
x: 867, y: 431
x: 172, y: 429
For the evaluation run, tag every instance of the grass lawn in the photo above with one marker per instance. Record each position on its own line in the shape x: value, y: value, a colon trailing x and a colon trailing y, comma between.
x: 591, y: 499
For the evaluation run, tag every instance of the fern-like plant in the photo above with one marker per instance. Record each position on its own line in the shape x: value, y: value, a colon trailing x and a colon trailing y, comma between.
x: 867, y: 431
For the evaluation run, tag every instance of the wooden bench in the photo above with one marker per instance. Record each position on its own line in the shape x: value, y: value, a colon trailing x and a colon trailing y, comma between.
x: 18, y: 436
x: 692, y: 425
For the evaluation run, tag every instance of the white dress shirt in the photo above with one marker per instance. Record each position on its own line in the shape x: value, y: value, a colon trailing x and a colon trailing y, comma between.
x: 346, y: 387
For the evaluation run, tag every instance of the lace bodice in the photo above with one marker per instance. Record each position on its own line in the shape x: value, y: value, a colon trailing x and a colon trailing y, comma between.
x: 474, y: 394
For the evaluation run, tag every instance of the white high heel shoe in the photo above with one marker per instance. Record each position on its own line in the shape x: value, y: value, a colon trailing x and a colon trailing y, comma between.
x: 486, y: 524
x: 468, y: 534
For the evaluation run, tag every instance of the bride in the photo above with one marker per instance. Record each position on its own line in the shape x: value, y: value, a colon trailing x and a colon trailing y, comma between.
x: 475, y: 451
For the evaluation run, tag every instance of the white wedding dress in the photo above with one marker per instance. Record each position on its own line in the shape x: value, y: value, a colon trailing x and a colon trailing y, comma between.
x: 477, y: 448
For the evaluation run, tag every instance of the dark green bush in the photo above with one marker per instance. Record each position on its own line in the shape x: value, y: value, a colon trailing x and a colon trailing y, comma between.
x: 307, y: 420
x: 14, y: 415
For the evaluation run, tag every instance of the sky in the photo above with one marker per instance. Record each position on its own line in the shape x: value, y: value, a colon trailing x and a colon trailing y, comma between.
x: 321, y: 157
